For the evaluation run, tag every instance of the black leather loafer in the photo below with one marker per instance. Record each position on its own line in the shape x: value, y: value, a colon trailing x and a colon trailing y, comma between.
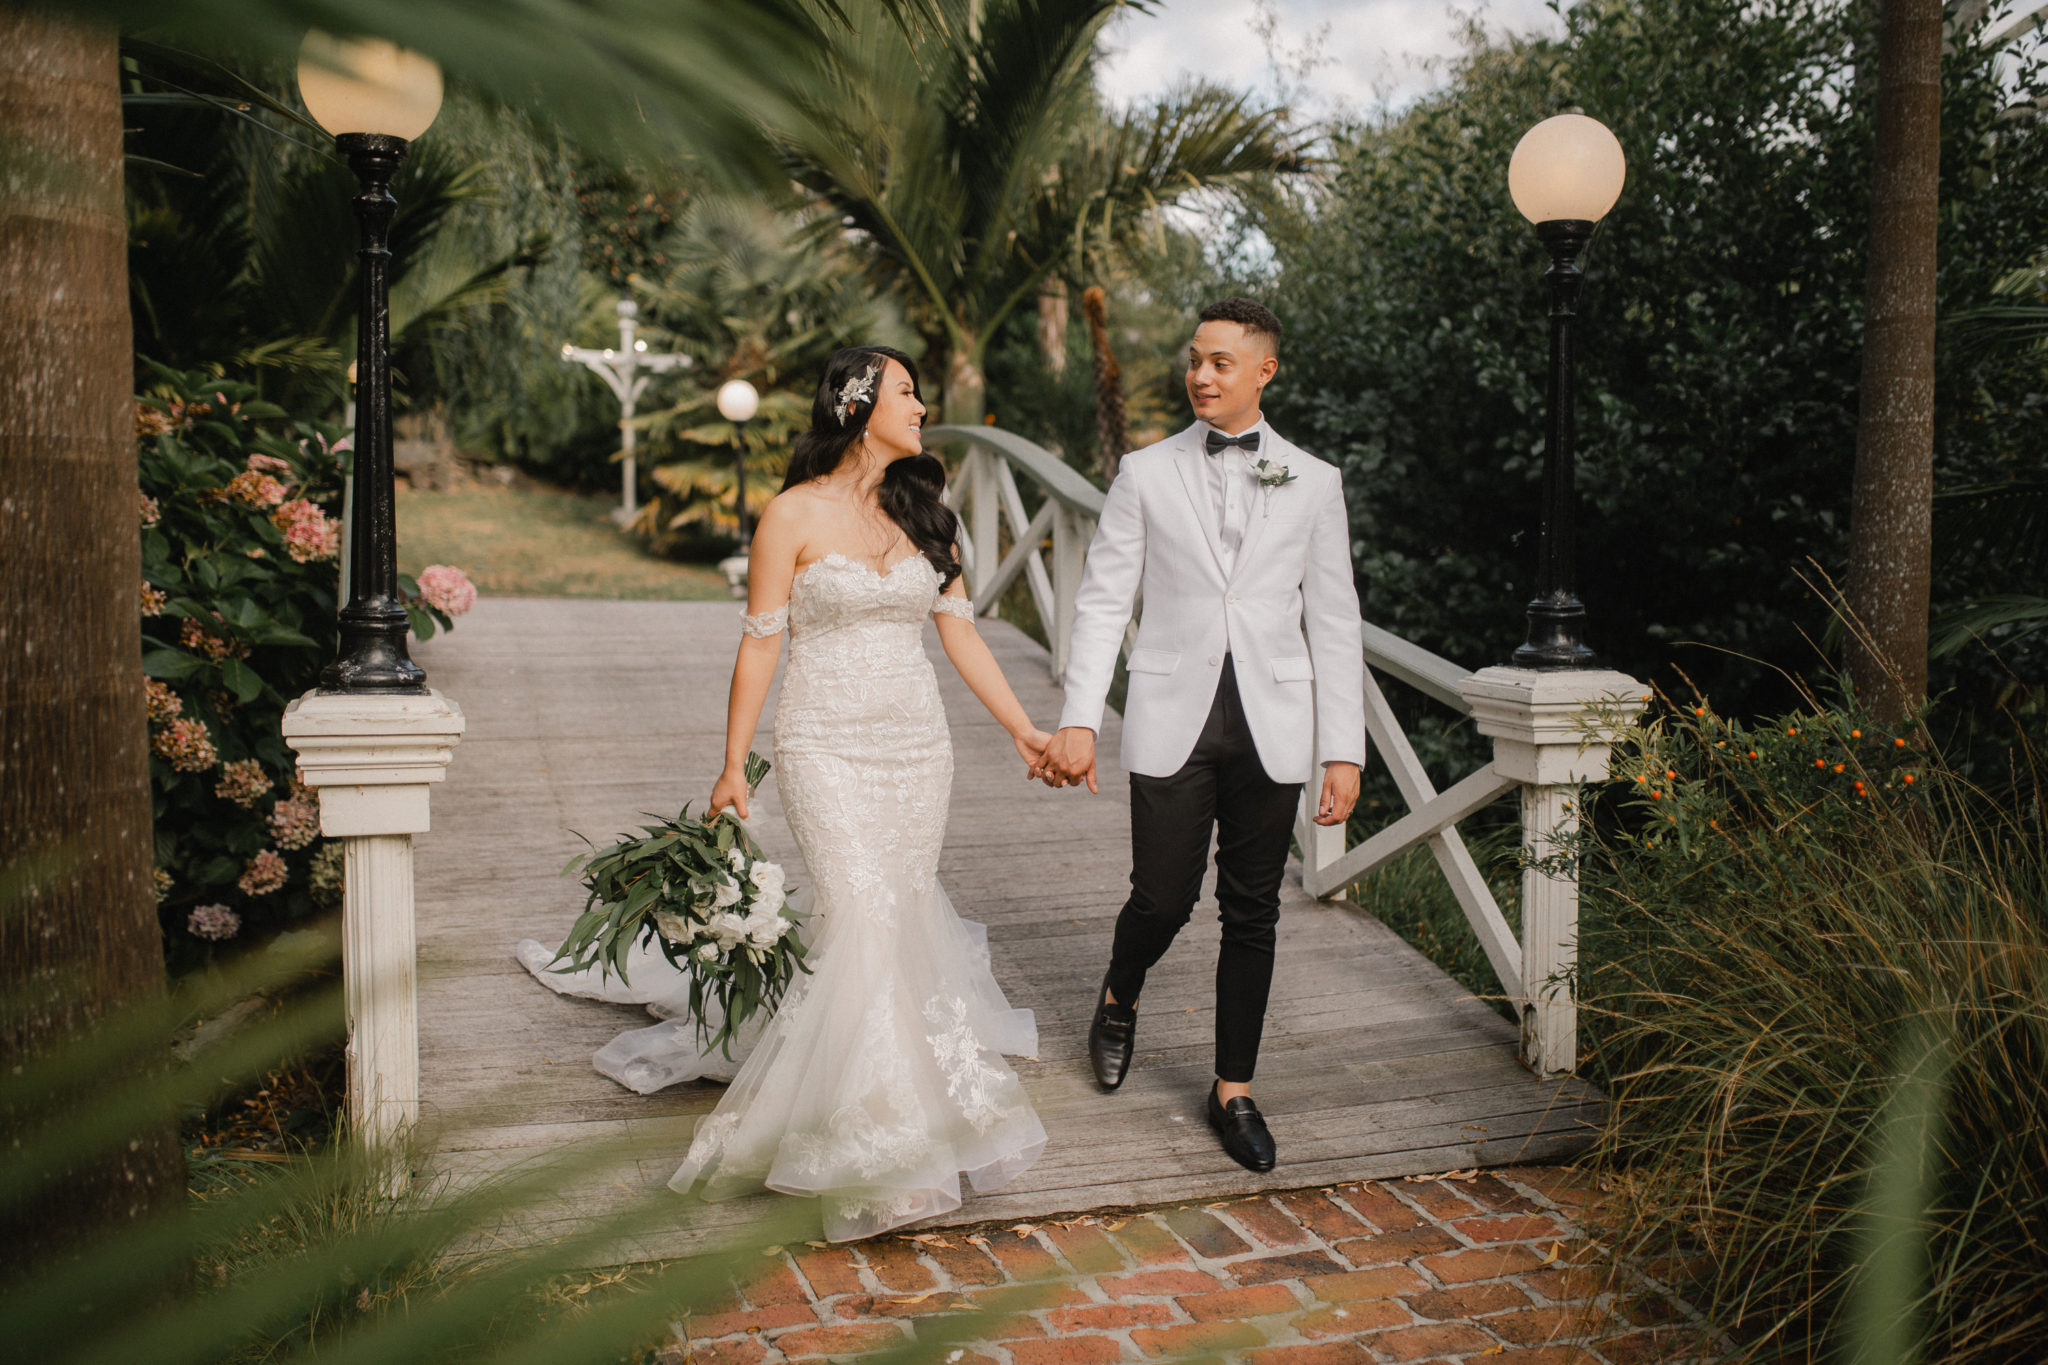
x: 1110, y: 1039
x: 1243, y: 1130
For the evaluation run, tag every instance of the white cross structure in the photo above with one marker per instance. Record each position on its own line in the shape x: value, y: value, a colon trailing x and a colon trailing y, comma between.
x: 626, y: 370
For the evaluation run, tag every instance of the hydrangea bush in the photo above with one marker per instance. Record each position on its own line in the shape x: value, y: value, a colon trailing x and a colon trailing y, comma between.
x: 241, y: 539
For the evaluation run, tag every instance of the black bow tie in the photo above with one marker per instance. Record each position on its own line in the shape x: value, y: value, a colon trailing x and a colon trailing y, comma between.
x: 1218, y: 442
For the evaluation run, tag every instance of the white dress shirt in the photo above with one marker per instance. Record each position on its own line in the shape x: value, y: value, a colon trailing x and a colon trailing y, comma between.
x: 1230, y: 488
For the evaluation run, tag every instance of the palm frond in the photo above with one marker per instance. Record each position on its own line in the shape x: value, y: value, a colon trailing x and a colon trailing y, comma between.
x: 1950, y: 631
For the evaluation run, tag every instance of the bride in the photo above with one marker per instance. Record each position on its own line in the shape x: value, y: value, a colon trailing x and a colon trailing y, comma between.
x: 880, y: 1081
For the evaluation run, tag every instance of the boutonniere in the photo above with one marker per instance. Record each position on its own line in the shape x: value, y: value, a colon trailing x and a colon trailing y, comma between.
x: 1272, y: 476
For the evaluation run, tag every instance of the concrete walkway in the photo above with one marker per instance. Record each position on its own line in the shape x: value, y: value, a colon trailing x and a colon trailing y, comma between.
x: 584, y: 714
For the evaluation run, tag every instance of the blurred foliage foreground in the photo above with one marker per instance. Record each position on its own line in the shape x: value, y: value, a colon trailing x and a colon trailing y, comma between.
x: 284, y: 1254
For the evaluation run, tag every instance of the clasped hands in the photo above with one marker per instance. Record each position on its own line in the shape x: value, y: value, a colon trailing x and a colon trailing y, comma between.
x: 1069, y: 760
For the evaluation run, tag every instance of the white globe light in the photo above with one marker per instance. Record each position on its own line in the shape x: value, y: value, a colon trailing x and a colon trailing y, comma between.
x: 1567, y: 167
x: 366, y: 85
x: 738, y: 400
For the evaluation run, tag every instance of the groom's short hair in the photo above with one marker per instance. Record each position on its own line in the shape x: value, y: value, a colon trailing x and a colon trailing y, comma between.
x: 1250, y: 314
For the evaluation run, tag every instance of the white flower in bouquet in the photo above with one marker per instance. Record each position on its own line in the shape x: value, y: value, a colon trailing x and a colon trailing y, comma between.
x: 673, y: 927
x: 767, y: 876
x: 707, y: 952
x: 769, y: 901
x: 737, y: 860
x: 729, y: 929
x: 727, y: 893
x: 765, y: 930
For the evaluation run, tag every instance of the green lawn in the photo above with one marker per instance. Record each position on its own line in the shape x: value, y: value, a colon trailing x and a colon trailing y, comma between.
x: 534, y: 541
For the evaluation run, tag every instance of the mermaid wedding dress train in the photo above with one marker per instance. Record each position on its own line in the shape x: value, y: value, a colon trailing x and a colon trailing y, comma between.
x: 880, y: 1081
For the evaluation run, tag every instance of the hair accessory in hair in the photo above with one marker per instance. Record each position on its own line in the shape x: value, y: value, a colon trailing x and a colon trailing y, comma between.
x: 859, y: 389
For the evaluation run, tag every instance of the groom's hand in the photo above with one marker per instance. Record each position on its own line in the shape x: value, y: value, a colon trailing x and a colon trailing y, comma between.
x: 1070, y: 758
x: 1340, y: 793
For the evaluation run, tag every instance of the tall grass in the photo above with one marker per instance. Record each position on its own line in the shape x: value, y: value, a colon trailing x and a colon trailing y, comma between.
x: 1799, y: 939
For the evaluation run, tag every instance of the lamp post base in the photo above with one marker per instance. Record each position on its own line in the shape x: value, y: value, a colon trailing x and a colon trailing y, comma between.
x: 1556, y: 622
x: 373, y: 656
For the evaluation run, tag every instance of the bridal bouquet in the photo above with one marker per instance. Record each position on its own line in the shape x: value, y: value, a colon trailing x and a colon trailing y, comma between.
x: 703, y: 891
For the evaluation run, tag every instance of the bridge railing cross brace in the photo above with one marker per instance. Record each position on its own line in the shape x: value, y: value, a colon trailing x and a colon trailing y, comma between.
x: 1552, y: 733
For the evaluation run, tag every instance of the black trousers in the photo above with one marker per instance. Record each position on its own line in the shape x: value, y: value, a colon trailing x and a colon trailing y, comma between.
x: 1223, y: 787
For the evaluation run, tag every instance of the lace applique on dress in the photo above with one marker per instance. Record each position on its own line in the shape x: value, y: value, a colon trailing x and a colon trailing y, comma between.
x: 962, y: 607
x: 766, y: 624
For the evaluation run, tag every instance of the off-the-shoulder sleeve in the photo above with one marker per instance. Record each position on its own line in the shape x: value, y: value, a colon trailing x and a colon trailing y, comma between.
x: 961, y: 607
x: 766, y: 624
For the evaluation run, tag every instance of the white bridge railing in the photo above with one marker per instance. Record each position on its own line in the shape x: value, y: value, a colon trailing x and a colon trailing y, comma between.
x: 1551, y: 732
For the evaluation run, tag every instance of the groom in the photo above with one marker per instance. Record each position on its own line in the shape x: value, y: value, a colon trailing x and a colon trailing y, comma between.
x: 1247, y: 671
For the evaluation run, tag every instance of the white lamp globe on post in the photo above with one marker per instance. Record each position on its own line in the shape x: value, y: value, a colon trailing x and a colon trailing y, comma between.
x: 738, y: 401
x: 1565, y: 175
x: 375, y: 98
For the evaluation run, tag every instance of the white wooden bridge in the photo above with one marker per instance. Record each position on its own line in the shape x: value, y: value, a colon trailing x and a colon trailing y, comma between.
x: 581, y: 715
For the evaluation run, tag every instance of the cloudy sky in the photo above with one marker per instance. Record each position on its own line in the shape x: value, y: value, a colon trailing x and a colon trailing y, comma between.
x: 1371, y: 51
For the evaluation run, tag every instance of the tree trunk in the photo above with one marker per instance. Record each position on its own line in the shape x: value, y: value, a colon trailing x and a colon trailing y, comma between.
x: 1891, y: 517
x: 1112, y: 434
x: 966, y: 386
x: 78, y: 926
x: 1052, y: 324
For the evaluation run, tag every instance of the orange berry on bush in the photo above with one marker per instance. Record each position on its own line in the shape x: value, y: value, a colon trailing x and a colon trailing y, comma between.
x: 1838, y: 768
x: 1909, y: 779
x: 1855, y: 734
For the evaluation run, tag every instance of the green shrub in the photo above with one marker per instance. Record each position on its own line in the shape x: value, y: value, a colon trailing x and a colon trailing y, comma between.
x: 240, y: 547
x: 1776, y: 920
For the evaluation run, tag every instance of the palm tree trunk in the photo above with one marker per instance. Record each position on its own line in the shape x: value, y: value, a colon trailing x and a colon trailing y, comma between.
x: 78, y: 929
x: 966, y: 385
x: 1891, y: 516
x: 1052, y: 324
x: 1112, y: 434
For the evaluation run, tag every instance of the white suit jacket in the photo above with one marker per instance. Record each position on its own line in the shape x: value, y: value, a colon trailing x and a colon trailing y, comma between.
x: 1287, y: 613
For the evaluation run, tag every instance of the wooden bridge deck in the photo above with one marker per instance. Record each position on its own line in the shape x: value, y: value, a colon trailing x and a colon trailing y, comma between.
x: 582, y: 714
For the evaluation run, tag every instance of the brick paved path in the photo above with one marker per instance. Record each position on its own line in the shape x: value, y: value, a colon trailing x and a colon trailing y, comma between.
x: 1467, y: 1267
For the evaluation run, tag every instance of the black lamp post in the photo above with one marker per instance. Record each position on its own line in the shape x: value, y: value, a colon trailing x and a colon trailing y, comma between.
x: 375, y: 98
x: 1566, y: 174
x: 738, y: 401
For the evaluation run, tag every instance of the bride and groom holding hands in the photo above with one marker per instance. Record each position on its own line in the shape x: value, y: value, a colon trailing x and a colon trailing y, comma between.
x: 880, y: 1082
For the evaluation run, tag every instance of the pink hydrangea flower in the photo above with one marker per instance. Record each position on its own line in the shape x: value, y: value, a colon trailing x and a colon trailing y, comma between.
x: 163, y: 703
x: 187, y: 745
x: 243, y: 782
x: 264, y: 874
x: 200, y: 640
x: 213, y: 921
x: 268, y: 464
x: 309, y: 533
x: 258, y: 490
x: 295, y: 820
x: 151, y: 513
x: 160, y: 879
x: 154, y: 600
x: 447, y: 589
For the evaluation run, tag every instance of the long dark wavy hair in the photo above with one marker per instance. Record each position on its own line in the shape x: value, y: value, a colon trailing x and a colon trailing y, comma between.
x: 911, y: 487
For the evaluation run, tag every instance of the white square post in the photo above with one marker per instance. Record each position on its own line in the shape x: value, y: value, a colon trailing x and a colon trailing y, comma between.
x: 371, y: 758
x: 1551, y: 731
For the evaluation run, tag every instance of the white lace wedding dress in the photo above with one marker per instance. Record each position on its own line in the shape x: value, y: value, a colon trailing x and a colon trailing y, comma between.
x: 880, y: 1081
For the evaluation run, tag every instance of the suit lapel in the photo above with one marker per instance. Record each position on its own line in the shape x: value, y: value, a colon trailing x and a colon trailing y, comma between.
x: 1191, y: 463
